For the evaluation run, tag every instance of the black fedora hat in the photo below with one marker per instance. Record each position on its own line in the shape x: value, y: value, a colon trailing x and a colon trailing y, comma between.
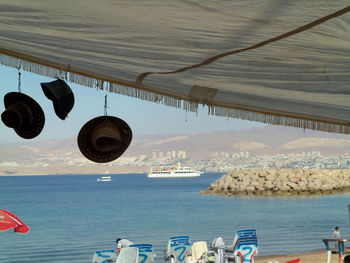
x: 61, y: 95
x: 23, y: 114
x: 104, y: 139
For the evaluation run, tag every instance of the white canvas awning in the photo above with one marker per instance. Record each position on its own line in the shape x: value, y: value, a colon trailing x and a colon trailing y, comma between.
x: 233, y: 56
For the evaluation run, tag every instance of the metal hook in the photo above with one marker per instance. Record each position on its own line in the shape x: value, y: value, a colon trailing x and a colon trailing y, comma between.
x: 19, y: 81
x: 105, y: 109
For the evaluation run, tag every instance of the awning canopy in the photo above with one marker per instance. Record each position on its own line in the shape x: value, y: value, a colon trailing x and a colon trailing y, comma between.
x: 273, y: 61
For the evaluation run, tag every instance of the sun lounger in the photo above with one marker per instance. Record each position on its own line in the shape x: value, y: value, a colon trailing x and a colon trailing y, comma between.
x: 179, y: 248
x: 146, y: 253
x: 128, y: 255
x: 104, y: 256
x: 199, y: 252
x: 244, y: 247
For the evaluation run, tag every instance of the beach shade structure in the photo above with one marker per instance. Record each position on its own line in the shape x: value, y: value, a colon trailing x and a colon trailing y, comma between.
x: 9, y: 220
x: 61, y: 95
x: 104, y: 139
x: 23, y: 114
x: 278, y: 62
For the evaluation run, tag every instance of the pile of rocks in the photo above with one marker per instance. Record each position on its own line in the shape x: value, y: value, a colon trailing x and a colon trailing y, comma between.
x: 281, y: 182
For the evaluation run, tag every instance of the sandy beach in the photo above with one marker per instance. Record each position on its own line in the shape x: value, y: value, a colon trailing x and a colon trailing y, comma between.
x: 318, y: 256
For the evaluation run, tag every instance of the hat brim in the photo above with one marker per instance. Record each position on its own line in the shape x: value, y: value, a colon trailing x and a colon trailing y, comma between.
x: 85, y: 143
x: 63, y: 107
x: 29, y: 130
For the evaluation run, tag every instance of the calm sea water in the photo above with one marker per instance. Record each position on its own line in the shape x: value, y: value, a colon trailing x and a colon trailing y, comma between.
x: 72, y: 216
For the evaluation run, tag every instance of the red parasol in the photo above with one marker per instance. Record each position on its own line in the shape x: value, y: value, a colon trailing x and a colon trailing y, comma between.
x: 8, y: 221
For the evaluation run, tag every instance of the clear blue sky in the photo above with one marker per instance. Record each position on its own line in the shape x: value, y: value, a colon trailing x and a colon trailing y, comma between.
x: 143, y: 117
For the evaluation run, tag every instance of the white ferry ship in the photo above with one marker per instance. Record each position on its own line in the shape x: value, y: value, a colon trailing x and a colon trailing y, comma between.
x: 174, y: 171
x: 104, y: 179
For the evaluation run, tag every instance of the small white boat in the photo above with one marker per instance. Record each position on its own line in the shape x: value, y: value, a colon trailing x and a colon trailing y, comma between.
x: 104, y: 179
x: 174, y: 172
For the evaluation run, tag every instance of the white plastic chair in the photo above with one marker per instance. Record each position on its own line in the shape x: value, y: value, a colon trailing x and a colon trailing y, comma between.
x: 128, y: 255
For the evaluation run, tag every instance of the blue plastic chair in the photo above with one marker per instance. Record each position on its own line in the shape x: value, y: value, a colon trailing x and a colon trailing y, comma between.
x: 245, y: 247
x: 146, y: 253
x: 178, y: 249
x: 104, y: 256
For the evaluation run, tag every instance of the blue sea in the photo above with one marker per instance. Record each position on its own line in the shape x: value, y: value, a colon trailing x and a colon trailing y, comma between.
x: 71, y: 216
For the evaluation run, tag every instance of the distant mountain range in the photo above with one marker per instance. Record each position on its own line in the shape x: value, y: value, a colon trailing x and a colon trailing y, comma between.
x: 257, y: 140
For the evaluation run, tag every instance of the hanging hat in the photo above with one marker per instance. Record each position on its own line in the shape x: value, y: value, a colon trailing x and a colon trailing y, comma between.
x: 23, y: 114
x: 61, y: 95
x: 104, y: 139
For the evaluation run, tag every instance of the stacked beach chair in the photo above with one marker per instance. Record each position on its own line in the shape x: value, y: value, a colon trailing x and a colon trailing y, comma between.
x: 137, y: 253
x: 244, y: 248
x: 179, y: 248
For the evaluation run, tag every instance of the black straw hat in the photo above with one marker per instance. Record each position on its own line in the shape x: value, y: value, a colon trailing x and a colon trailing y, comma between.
x: 23, y: 114
x: 104, y: 139
x: 61, y: 95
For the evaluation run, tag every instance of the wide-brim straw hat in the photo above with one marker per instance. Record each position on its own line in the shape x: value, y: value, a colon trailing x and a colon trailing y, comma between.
x: 61, y: 95
x: 104, y: 139
x: 23, y: 114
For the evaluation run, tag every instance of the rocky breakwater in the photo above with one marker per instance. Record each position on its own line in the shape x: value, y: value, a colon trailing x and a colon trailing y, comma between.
x: 281, y: 182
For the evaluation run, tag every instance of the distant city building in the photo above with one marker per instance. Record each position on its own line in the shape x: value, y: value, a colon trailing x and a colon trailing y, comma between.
x: 316, y: 154
x: 168, y: 155
x: 142, y: 157
x: 160, y: 154
x: 154, y: 156
x: 345, y: 163
x: 184, y: 154
x: 235, y: 156
x: 10, y: 164
x: 173, y: 154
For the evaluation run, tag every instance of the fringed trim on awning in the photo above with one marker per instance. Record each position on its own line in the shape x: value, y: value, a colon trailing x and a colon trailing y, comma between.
x: 36, y: 68
x: 123, y: 88
x: 276, y: 119
x: 145, y: 95
x: 133, y: 90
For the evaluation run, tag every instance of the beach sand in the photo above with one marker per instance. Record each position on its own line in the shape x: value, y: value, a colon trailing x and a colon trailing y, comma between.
x: 318, y: 256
